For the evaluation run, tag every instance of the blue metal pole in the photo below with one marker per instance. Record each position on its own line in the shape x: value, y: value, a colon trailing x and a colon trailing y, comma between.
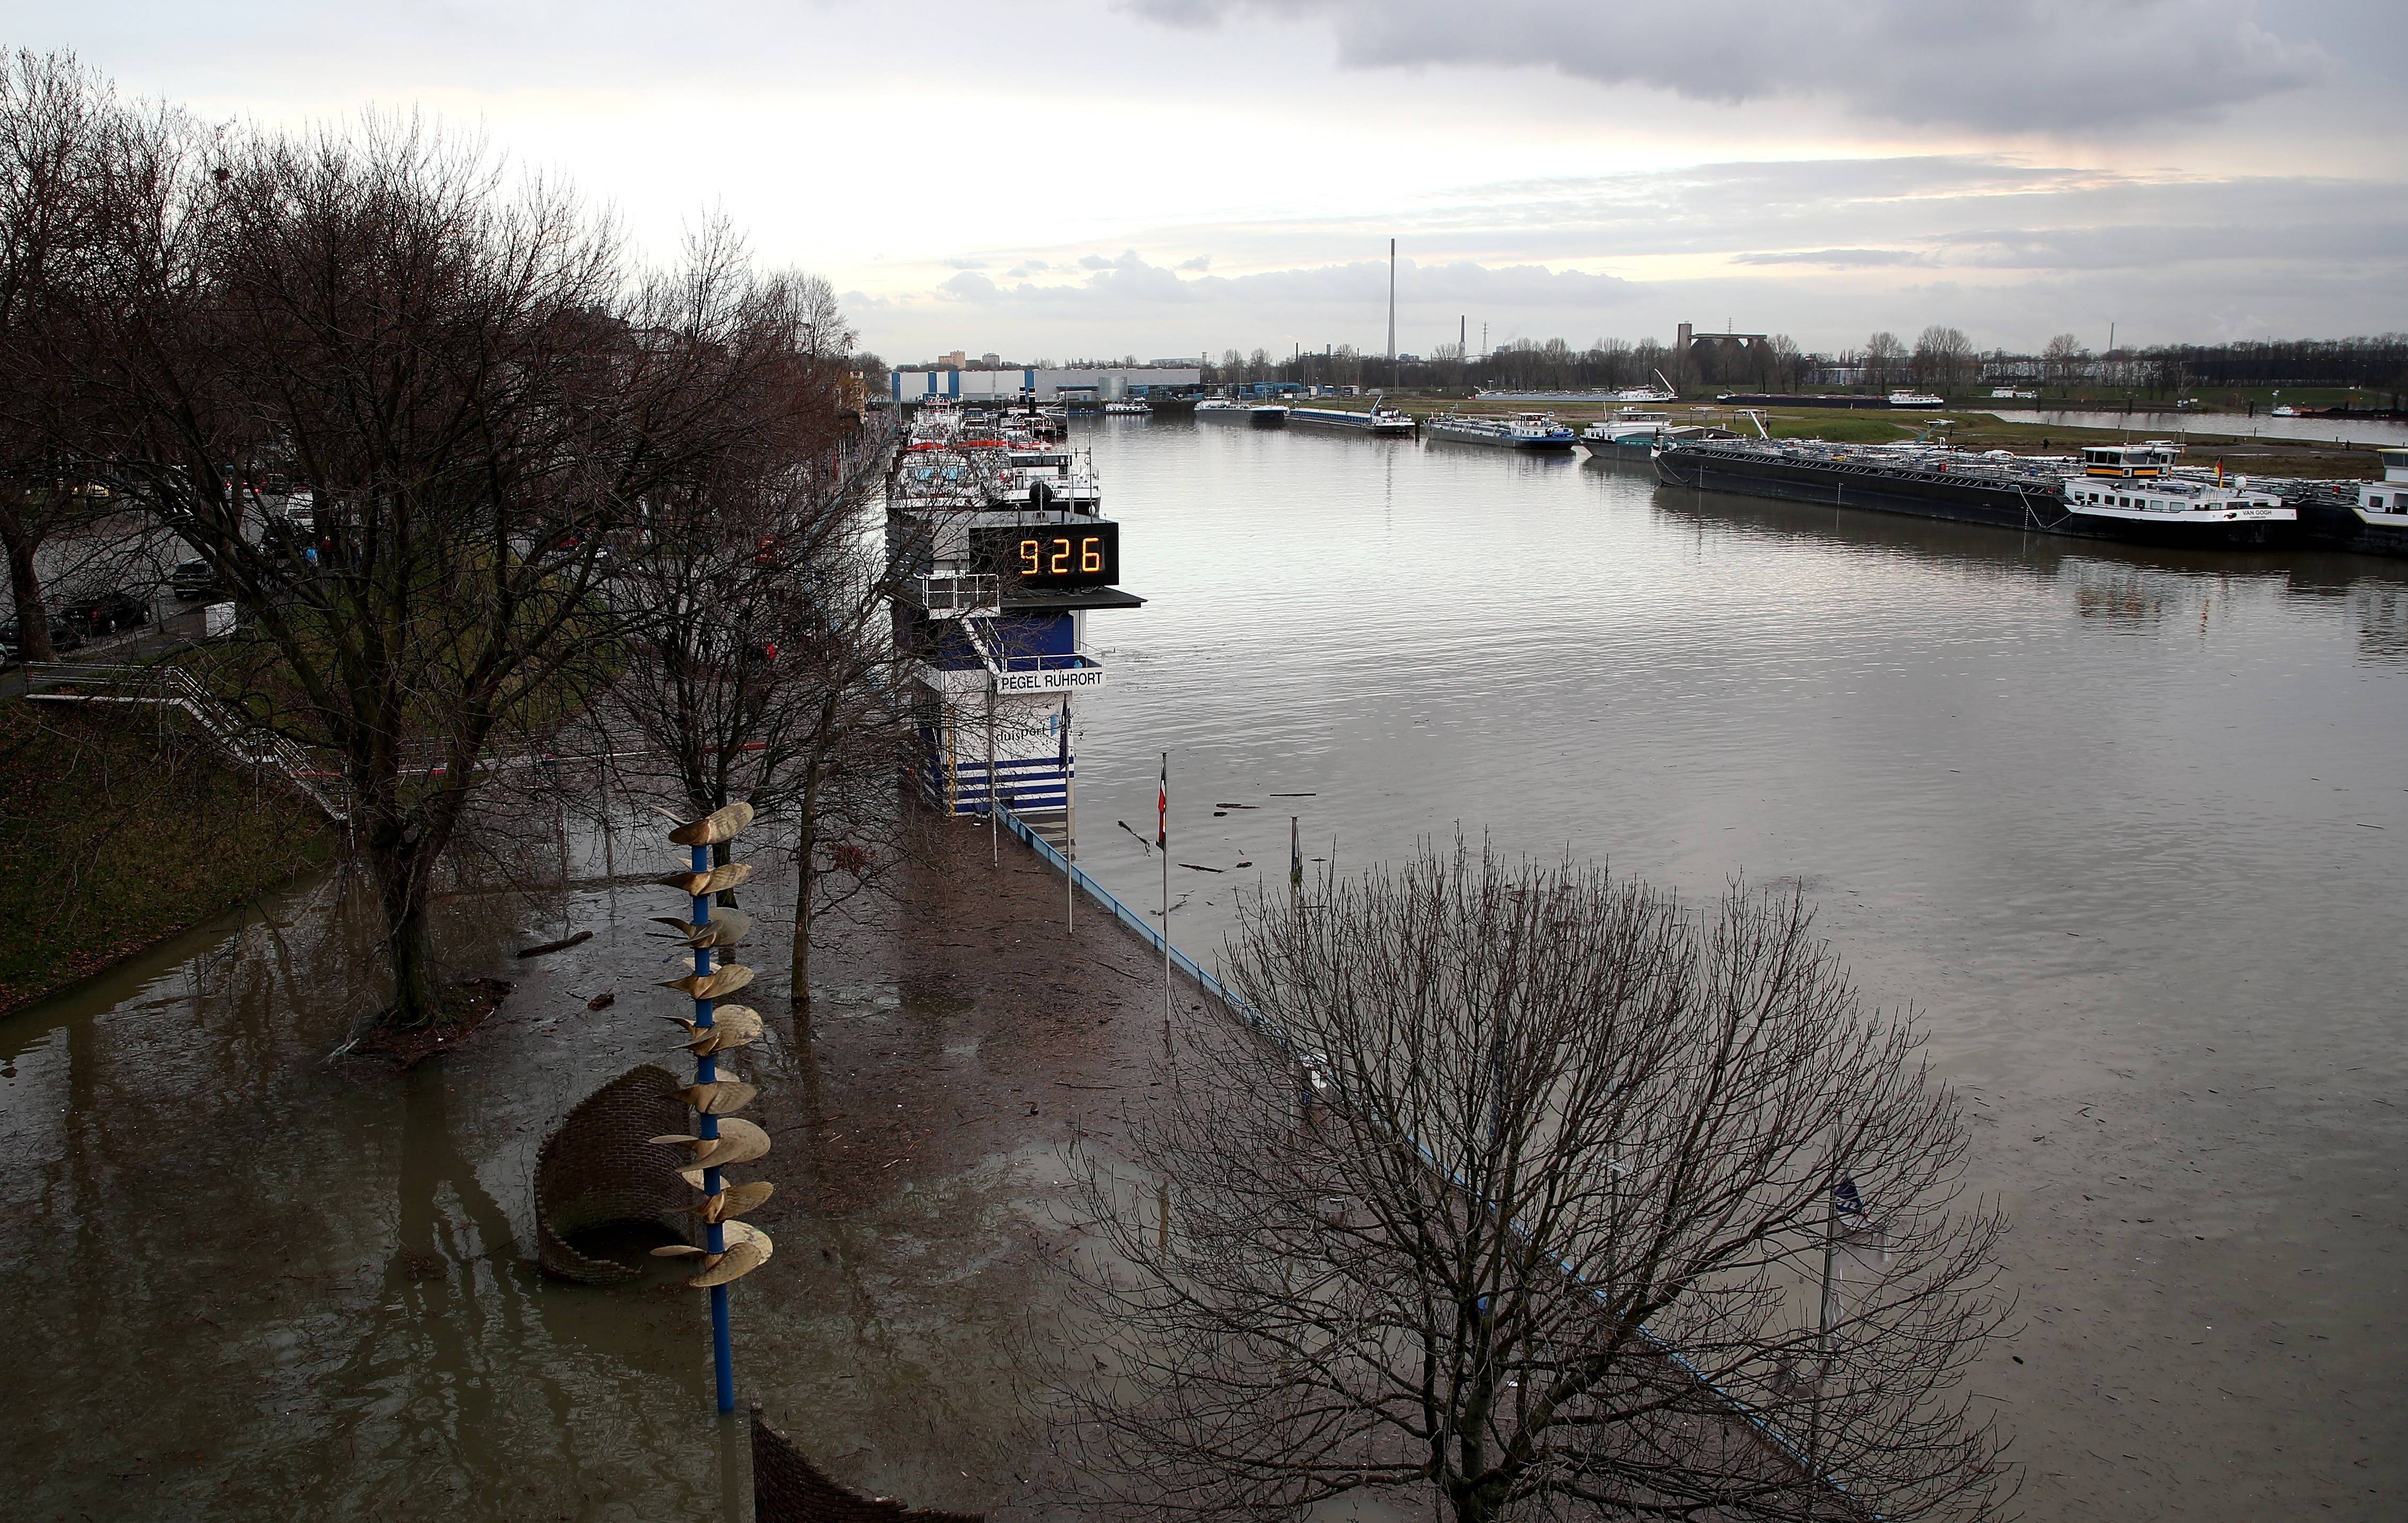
x: 706, y: 1070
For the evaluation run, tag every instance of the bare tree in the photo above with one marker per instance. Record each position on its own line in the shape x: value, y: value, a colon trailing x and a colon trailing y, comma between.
x: 473, y: 391
x: 1569, y: 1161
x: 2061, y: 359
x: 761, y: 666
x: 59, y: 125
x: 1942, y: 357
x: 1883, y: 358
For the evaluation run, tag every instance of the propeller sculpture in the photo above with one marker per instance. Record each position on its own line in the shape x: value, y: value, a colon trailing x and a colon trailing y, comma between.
x: 730, y: 1248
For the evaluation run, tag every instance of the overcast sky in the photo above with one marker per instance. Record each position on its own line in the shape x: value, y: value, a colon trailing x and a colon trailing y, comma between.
x: 1158, y: 177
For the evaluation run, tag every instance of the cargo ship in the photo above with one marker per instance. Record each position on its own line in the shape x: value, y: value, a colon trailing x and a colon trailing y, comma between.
x: 2125, y: 492
x: 1230, y: 409
x: 2364, y: 518
x: 1531, y: 431
x: 1385, y: 422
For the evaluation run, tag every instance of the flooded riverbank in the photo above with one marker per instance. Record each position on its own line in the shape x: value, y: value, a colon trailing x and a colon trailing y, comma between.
x: 252, y: 1282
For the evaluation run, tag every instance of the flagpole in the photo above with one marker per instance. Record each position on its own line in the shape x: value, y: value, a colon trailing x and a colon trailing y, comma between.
x: 1294, y: 865
x: 1161, y: 840
x: 994, y: 827
x: 1823, y: 1317
x: 1069, y: 825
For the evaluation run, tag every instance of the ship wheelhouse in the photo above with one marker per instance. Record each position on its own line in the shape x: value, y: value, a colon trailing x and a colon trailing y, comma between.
x: 2386, y: 501
x: 2155, y: 458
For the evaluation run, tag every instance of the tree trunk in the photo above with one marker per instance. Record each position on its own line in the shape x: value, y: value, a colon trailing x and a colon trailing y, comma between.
x: 806, y: 844
x: 25, y: 585
x: 409, y: 942
x: 727, y: 896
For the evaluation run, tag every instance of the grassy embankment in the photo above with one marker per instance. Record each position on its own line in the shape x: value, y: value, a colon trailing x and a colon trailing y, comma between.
x: 123, y: 830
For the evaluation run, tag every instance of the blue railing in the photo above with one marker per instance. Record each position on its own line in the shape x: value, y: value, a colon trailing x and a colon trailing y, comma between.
x: 1739, y: 1406
x: 1134, y: 921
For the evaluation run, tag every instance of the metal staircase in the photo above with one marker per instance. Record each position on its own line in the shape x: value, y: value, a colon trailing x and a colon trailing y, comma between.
x: 169, y: 686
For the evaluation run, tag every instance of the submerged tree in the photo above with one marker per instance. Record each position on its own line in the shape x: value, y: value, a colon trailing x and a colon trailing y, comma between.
x: 1525, y: 1184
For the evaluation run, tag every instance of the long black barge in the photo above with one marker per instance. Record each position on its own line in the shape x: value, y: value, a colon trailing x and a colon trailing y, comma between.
x: 1968, y: 488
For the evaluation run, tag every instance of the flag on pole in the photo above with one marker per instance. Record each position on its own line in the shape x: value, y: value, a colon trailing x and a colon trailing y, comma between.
x: 1295, y: 857
x: 1162, y: 807
x: 1065, y: 736
x: 1848, y: 1202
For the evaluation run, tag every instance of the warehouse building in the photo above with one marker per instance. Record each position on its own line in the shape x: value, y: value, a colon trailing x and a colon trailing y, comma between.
x: 1105, y: 384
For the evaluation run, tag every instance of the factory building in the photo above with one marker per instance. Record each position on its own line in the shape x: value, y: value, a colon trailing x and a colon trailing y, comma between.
x: 1102, y: 384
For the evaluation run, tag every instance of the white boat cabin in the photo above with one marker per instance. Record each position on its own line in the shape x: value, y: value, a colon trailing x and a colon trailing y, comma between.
x: 2155, y: 458
x: 2387, y: 501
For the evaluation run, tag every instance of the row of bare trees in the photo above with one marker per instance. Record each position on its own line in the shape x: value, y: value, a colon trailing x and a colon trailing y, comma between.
x: 472, y: 474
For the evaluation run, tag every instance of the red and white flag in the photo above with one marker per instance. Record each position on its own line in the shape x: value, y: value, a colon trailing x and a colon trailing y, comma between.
x: 1162, y: 807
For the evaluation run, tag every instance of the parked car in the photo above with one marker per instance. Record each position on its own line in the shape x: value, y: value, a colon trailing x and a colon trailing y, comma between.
x: 105, y: 613
x: 64, y: 636
x: 194, y: 580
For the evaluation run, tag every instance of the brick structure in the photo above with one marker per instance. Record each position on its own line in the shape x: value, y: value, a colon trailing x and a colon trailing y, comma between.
x: 597, y: 1168
x: 789, y: 1489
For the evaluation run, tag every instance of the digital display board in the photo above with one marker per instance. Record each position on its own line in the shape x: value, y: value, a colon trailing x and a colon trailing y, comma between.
x: 1080, y: 553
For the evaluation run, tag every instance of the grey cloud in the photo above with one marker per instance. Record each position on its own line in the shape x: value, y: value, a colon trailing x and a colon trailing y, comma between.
x: 2050, y: 67
x: 1363, y: 284
x: 1836, y: 258
x: 1201, y: 263
x: 1827, y: 251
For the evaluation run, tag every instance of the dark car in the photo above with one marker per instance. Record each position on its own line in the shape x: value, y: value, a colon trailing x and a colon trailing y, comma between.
x: 194, y: 580
x: 64, y: 636
x: 105, y: 613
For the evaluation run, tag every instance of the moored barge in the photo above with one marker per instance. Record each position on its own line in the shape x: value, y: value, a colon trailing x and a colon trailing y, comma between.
x: 2124, y: 491
x: 1538, y: 432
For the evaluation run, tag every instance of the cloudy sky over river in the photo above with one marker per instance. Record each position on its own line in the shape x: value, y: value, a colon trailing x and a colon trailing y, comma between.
x: 1161, y: 178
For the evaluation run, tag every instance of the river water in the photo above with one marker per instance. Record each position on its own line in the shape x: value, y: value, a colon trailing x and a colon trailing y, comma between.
x: 2130, y: 827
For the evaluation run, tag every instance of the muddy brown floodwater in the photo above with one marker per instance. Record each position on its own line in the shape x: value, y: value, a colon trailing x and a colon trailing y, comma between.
x: 246, y: 1282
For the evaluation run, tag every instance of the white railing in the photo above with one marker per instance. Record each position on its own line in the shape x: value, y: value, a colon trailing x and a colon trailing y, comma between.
x: 961, y: 597
x: 234, y: 732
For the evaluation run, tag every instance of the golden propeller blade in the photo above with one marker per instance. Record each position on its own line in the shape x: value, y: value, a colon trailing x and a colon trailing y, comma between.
x: 694, y: 884
x: 748, y: 1196
x: 731, y: 1026
x: 738, y: 1141
x: 721, y: 1098
x: 748, y: 1249
x: 725, y: 824
x: 726, y: 980
x: 725, y: 927
x: 735, y: 1200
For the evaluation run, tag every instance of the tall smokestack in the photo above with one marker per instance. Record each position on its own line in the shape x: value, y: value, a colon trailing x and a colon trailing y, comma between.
x: 1392, y: 312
